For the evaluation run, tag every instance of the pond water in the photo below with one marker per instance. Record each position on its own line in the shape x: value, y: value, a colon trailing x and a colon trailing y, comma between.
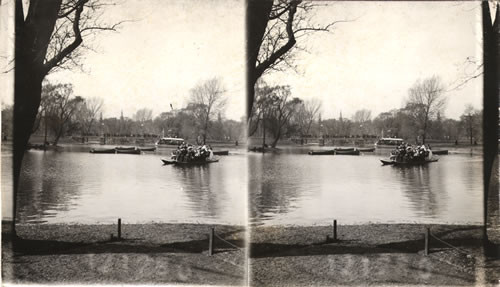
x: 293, y: 187
x: 74, y: 186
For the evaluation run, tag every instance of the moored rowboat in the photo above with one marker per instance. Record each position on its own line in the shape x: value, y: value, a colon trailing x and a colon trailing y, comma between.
x: 110, y: 150
x: 366, y: 149
x: 125, y: 148
x: 147, y: 148
x: 322, y: 152
x: 344, y: 149
x: 347, y: 152
x: 221, y: 152
x: 134, y: 151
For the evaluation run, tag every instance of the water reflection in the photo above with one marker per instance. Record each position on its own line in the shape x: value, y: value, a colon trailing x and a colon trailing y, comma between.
x: 6, y: 181
x: 78, y: 187
x: 294, y: 188
x: 416, y: 181
x: 42, y: 196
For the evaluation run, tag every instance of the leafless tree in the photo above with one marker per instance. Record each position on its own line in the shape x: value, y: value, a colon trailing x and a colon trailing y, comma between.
x: 362, y: 116
x: 471, y: 122
x: 473, y: 68
x: 306, y: 114
x: 46, y: 105
x: 274, y: 29
x: 49, y: 36
x: 210, y: 99
x: 261, y: 104
x: 61, y: 106
x: 424, y: 102
x: 281, y: 111
x: 362, y: 120
x: 143, y: 115
x: 88, y: 113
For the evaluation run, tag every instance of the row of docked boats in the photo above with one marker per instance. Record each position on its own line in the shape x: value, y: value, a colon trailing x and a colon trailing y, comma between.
x: 342, y: 151
x: 123, y: 150
x: 139, y: 150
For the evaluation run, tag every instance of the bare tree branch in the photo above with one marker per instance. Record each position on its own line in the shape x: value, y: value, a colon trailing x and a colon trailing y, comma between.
x: 71, y: 47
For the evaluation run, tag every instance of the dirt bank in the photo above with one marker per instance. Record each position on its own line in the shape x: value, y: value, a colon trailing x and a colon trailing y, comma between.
x: 375, y: 254
x: 149, y: 253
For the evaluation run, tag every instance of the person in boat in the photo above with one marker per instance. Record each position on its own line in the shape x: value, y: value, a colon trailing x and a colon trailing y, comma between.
x: 409, y: 153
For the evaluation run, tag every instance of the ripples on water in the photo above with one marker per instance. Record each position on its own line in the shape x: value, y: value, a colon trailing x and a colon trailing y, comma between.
x: 295, y: 188
x: 79, y: 187
x: 287, y: 188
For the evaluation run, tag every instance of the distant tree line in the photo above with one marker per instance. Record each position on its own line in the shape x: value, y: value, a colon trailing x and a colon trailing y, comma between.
x: 279, y: 115
x: 62, y: 114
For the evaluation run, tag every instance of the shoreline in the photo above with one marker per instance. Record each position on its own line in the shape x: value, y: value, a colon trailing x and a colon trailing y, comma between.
x: 157, y: 253
x: 177, y: 253
x: 369, y: 254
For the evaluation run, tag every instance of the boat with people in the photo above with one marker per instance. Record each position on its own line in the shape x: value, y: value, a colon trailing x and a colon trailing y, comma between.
x: 389, y: 142
x: 185, y: 163
x: 387, y: 161
x: 187, y: 155
x: 409, y: 155
x: 417, y: 162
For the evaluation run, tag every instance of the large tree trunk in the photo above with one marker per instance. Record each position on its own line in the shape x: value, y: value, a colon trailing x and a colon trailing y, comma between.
x: 490, y: 114
x: 257, y: 17
x: 59, y: 134
x: 27, y: 99
x: 276, y: 139
x: 32, y: 39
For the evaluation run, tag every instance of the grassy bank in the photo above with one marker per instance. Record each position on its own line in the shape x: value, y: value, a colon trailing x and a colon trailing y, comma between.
x: 375, y: 254
x: 148, y: 253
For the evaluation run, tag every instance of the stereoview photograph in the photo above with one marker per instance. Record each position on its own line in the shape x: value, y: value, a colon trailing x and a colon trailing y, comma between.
x: 250, y: 142
x: 366, y: 144
x: 130, y: 127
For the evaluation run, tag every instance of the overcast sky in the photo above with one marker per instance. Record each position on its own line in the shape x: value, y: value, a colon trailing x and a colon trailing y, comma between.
x: 372, y: 61
x: 169, y: 48
x: 367, y: 63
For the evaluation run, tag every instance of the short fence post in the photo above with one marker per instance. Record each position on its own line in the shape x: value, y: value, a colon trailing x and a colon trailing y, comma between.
x: 335, y: 229
x: 427, y: 241
x: 211, y: 242
x: 119, y: 228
